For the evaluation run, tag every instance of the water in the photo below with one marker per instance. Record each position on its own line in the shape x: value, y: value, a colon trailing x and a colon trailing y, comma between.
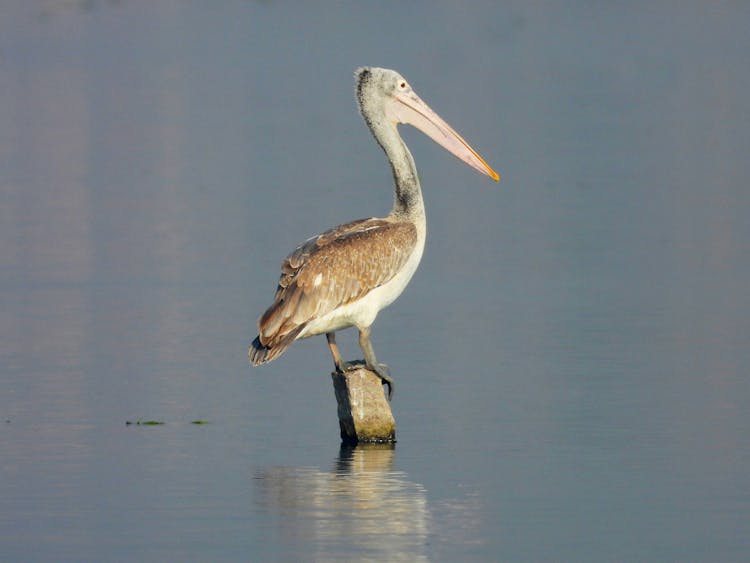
x: 571, y: 358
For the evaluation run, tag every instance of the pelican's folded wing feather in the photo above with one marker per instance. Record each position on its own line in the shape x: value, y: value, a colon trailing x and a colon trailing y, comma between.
x: 333, y: 269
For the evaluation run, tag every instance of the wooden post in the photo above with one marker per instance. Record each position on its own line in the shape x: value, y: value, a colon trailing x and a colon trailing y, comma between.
x: 364, y: 413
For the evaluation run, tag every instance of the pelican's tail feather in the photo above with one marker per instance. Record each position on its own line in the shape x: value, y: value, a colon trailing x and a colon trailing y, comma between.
x: 260, y: 353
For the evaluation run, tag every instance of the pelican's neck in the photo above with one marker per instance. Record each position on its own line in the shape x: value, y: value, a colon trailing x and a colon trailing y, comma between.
x: 372, y: 97
x: 408, y: 202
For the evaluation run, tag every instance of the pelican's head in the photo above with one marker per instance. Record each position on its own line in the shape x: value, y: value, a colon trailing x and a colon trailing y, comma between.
x: 384, y: 96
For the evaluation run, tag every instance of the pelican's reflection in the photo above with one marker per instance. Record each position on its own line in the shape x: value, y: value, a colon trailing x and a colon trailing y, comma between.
x: 360, y: 507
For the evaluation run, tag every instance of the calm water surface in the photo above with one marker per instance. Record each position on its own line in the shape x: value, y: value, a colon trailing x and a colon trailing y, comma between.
x: 571, y: 358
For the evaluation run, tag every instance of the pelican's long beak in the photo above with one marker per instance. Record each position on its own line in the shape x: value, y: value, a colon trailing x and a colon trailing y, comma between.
x: 407, y: 107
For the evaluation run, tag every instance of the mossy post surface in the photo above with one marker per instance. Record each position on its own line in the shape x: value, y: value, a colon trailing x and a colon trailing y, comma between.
x: 364, y: 413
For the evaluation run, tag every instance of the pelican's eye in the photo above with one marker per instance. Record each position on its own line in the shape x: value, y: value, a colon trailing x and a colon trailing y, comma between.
x: 403, y: 86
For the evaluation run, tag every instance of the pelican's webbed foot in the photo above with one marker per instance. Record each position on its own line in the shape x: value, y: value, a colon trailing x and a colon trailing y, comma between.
x: 371, y: 361
x: 385, y: 375
x: 343, y: 367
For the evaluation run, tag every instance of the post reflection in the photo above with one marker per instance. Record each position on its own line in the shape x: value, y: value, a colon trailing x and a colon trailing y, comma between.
x: 360, y: 507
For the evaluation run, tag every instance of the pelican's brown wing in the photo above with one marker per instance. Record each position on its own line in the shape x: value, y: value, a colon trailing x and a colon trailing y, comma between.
x: 337, y: 267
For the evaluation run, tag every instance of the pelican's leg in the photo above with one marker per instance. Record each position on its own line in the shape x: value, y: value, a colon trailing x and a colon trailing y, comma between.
x: 338, y: 361
x: 372, y: 362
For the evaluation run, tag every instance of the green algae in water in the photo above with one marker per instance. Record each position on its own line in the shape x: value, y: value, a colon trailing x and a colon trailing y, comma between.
x: 145, y: 423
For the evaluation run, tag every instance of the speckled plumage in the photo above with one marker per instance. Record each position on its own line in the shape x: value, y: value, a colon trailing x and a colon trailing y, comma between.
x: 329, y: 271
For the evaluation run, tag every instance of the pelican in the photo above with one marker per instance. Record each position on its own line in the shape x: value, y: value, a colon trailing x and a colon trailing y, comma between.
x: 346, y: 275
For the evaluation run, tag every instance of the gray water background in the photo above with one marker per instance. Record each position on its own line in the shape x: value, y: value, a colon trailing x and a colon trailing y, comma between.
x: 571, y: 357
